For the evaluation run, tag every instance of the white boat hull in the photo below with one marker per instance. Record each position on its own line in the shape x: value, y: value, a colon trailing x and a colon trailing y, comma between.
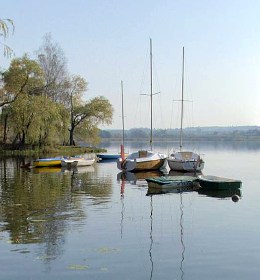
x: 141, y: 161
x: 85, y: 162
x: 185, y: 161
x: 77, y: 161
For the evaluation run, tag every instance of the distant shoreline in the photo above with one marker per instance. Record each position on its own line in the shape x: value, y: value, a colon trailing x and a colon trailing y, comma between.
x: 191, y: 139
x: 240, y: 133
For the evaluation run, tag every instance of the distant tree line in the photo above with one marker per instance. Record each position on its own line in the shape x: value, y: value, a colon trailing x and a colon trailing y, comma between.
x: 197, y: 133
x: 42, y: 104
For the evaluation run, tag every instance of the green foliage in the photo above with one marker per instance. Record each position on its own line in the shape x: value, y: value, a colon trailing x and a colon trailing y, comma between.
x: 85, y: 119
x: 43, y: 106
x: 23, y: 76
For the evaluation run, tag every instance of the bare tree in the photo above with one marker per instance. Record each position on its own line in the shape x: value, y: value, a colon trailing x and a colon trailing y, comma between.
x: 54, y: 64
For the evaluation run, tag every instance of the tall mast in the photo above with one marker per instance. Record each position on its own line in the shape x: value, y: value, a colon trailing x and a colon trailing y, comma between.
x: 151, y: 93
x: 182, y: 90
x: 123, y: 116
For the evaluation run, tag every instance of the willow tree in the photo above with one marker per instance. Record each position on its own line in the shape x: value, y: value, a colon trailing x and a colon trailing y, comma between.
x: 22, y: 81
x: 5, y: 26
x: 86, y: 116
x: 35, y: 119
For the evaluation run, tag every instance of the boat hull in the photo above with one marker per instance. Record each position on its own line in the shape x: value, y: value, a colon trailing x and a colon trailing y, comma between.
x: 50, y: 162
x: 108, y: 156
x: 77, y: 162
x: 149, y: 165
x: 218, y: 183
x: 185, y: 166
x: 85, y: 162
x: 135, y: 164
x: 185, y: 161
x: 177, y: 182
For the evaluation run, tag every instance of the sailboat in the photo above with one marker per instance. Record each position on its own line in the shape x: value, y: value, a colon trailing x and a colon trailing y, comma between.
x: 186, y: 161
x: 143, y: 159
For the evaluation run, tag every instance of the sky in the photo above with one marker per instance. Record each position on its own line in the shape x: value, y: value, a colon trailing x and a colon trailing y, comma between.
x: 107, y: 41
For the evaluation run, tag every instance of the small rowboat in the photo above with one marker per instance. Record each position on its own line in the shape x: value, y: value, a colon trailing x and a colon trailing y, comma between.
x: 47, y: 162
x: 173, y: 182
x: 210, y: 182
x: 77, y: 161
x: 108, y: 157
x: 84, y: 161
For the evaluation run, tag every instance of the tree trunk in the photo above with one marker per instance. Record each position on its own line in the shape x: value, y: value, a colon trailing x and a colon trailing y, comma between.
x: 5, y: 129
x: 72, y: 142
x: 22, y: 142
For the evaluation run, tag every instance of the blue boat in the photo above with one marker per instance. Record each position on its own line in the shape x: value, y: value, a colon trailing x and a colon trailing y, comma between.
x: 108, y: 156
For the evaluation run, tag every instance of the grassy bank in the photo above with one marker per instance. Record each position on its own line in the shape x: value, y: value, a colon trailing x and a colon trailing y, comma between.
x: 49, y: 151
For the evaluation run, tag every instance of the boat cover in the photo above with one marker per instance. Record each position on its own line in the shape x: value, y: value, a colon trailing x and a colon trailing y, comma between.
x: 168, y: 180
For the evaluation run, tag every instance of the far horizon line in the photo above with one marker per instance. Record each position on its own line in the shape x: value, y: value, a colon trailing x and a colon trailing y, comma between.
x: 213, y: 126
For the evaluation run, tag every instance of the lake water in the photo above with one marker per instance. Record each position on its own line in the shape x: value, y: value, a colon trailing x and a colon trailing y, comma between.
x: 91, y: 224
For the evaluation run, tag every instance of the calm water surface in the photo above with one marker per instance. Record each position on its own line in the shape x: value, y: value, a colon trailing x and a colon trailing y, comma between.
x: 91, y: 224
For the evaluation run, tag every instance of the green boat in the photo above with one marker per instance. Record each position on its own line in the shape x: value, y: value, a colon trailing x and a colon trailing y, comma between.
x: 210, y: 182
x: 172, y: 182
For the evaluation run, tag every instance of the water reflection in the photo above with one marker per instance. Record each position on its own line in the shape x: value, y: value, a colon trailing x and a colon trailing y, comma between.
x: 62, y: 218
x: 85, y: 180
x: 221, y: 194
x: 160, y: 191
x: 180, y: 228
x: 46, y: 170
x: 182, y: 236
x: 39, y: 205
x: 151, y: 238
x: 180, y: 173
x: 138, y: 178
x: 35, y: 210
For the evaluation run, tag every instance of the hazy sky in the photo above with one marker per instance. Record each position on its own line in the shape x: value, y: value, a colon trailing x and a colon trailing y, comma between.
x: 107, y: 41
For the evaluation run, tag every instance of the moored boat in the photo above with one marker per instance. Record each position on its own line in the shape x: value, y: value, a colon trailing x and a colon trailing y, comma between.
x: 210, y: 182
x: 77, y: 161
x: 144, y: 160
x: 141, y: 161
x: 47, y: 162
x: 174, y: 182
x: 84, y: 161
x: 105, y: 156
x: 186, y: 161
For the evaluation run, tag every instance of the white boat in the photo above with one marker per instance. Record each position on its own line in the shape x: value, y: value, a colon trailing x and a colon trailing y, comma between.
x: 184, y: 160
x: 85, y: 161
x: 143, y: 160
x: 77, y: 162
